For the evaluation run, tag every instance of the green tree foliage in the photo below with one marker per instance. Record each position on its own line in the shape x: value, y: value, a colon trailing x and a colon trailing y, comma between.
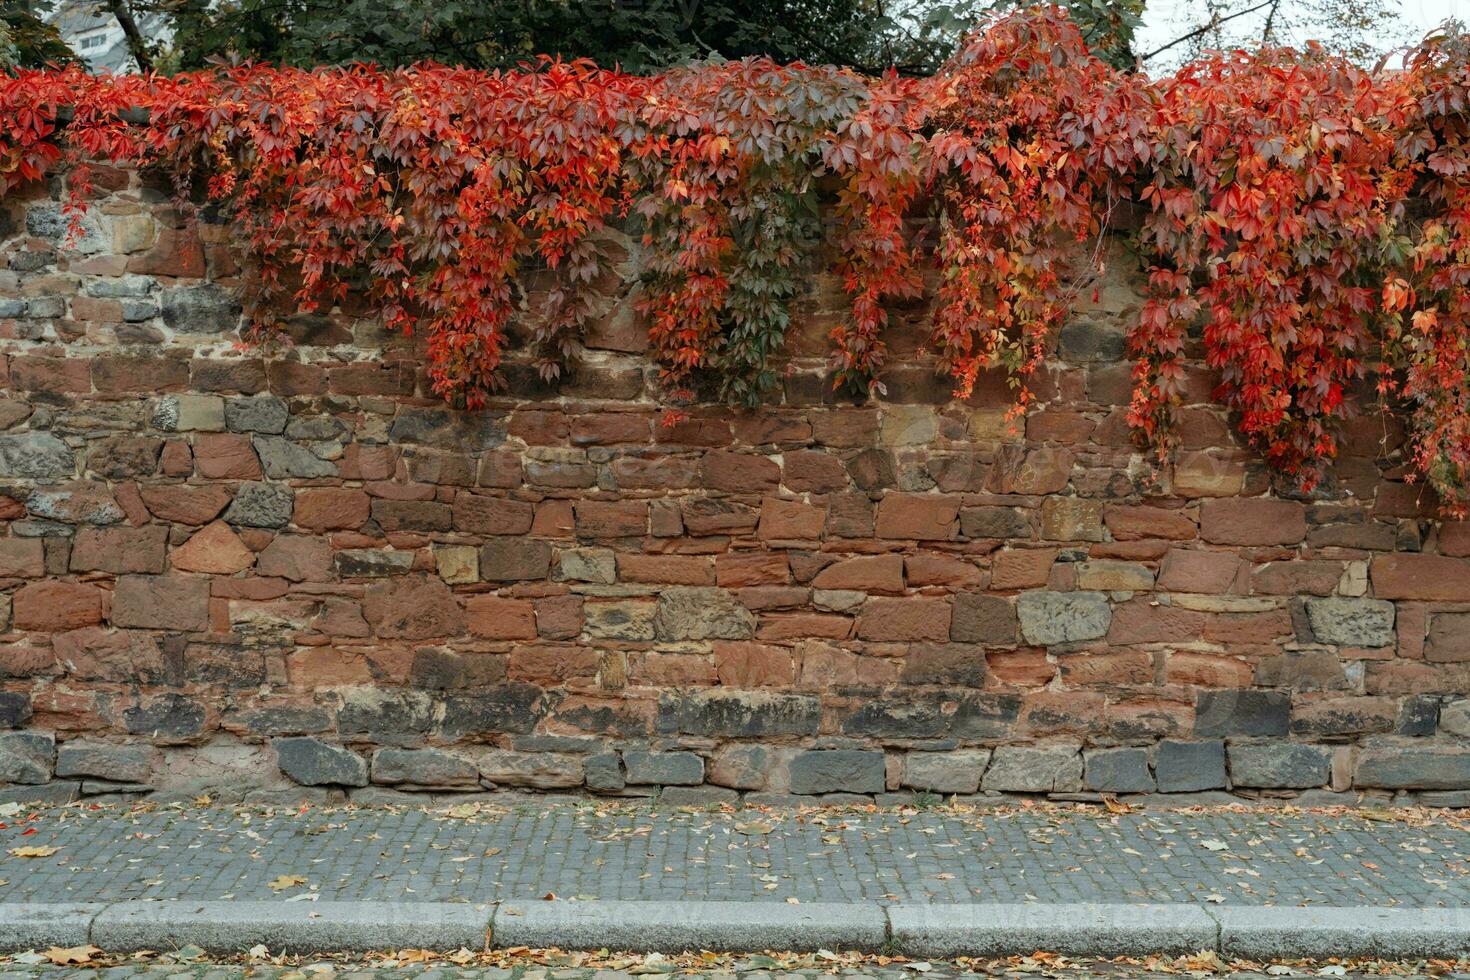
x: 26, y: 40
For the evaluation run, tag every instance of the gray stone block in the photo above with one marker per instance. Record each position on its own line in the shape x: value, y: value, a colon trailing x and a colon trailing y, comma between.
x: 1279, y: 765
x: 258, y: 413
x: 261, y: 505
x: 1049, y: 618
x: 663, y: 768
x: 423, y: 767
x: 1361, y: 932
x: 1034, y: 769
x: 26, y: 757
x: 15, y: 709
x: 701, y: 613
x: 285, y: 460
x: 1351, y: 622
x: 113, y: 763
x: 837, y: 770
x: 1250, y: 714
x: 604, y: 773
x: 312, y: 762
x: 1189, y: 767
x: 1413, y: 767
x: 36, y: 456
x: 39, y: 926
x: 1117, y: 771
x: 945, y: 772
x: 203, y: 309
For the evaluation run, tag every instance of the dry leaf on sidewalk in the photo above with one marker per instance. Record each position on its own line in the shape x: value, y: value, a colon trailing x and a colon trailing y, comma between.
x: 70, y: 955
x: 32, y: 852
x: 283, y: 882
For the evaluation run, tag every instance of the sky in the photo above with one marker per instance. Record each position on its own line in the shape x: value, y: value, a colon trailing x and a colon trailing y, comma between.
x: 1165, y: 20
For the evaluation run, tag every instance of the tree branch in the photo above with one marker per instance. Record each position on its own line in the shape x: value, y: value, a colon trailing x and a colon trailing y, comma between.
x: 1215, y: 22
x: 137, y: 44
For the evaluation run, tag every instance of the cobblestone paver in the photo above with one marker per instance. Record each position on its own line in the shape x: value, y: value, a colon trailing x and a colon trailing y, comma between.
x: 1045, y: 854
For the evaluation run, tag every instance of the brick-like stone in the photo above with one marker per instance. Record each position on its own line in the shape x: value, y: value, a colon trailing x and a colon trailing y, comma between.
x: 1427, y: 577
x: 869, y: 573
x: 1190, y: 570
x: 905, y: 619
x: 1189, y: 767
x: 740, y: 714
x: 1351, y: 622
x: 198, y: 505
x: 1117, y: 771
x: 1279, y: 765
x: 1398, y: 766
x: 694, y: 613
x: 645, y: 768
x: 1252, y: 522
x: 114, y: 763
x: 1049, y: 618
x: 514, y: 560
x: 52, y: 606
x: 1034, y: 769
x: 1071, y: 519
x: 921, y: 517
x: 24, y: 557
x: 296, y: 558
x: 986, y: 619
x: 423, y: 767
x: 957, y: 771
x: 1240, y: 712
x: 312, y: 762
x: 499, y: 618
x: 414, y: 607
x: 837, y: 771
x: 164, y: 602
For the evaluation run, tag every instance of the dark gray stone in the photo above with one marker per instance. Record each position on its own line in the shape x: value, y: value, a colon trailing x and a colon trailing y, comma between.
x: 36, y: 456
x: 261, y: 505
x: 1117, y: 771
x: 285, y: 460
x: 1189, y: 767
x: 1049, y: 618
x: 1279, y: 765
x: 258, y: 413
x: 663, y: 768
x: 1251, y: 714
x: 316, y: 428
x: 987, y: 715
x: 945, y: 772
x: 114, y: 763
x: 120, y: 287
x: 604, y: 773
x: 1413, y: 767
x: 371, y: 562
x: 739, y: 714
x: 312, y: 762
x: 26, y: 757
x: 465, y: 431
x: 1086, y: 342
x: 837, y: 771
x: 1351, y: 622
x: 384, y: 715
x: 898, y: 715
x: 203, y: 309
x: 169, y: 717
x: 514, y: 708
x: 1418, y: 716
x: 423, y: 767
x: 15, y: 709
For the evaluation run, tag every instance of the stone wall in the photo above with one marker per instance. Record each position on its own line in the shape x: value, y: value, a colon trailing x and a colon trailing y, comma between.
x: 243, y: 573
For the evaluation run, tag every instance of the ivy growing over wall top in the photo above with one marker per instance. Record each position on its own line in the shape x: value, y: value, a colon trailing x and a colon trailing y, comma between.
x: 1305, y: 222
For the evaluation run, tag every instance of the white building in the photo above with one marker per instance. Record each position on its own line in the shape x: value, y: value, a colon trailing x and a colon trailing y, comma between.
x: 90, y: 29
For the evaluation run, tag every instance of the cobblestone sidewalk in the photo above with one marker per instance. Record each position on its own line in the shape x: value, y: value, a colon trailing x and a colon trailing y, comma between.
x: 1231, y: 856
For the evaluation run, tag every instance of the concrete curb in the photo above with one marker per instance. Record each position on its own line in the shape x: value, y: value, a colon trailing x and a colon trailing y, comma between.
x: 915, y: 930
x: 674, y: 926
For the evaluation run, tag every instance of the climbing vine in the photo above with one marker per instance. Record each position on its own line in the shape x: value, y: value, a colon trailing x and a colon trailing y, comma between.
x: 1304, y: 222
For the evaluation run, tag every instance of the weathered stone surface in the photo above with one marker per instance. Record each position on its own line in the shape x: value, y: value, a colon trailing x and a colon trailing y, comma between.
x: 296, y: 558
x: 120, y: 550
x: 1117, y: 771
x: 837, y: 771
x: 168, y: 718
x: 207, y: 308
x: 695, y: 613
x: 1049, y: 618
x: 1279, y: 765
x: 1034, y: 769
x: 1351, y: 622
x: 259, y: 413
x: 284, y: 460
x: 26, y: 757
x: 312, y: 762
x: 1241, y: 712
x: 261, y: 505
x: 1189, y: 767
x: 604, y: 773
x: 587, y: 565
x: 538, y: 770
x: 1399, y: 766
x: 514, y: 560
x: 1255, y: 521
x: 371, y: 562
x: 621, y: 620
x: 162, y: 602
x: 958, y: 771
x: 663, y: 768
x: 35, y: 456
x: 78, y: 502
x: 414, y: 607
x: 52, y: 606
x: 514, y: 708
x: 214, y: 550
x: 423, y: 767
x: 99, y: 760
x: 740, y: 714
x: 15, y: 709
x: 1454, y: 718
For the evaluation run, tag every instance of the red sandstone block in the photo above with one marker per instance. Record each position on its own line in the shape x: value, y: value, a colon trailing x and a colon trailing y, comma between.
x: 331, y: 508
x: 1252, y: 521
x: 743, y: 569
x: 611, y: 519
x: 53, y: 606
x: 1206, y: 670
x: 813, y: 471
x: 225, y: 456
x: 694, y: 432
x: 1135, y: 523
x: 1112, y: 668
x: 559, y: 617
x: 539, y: 428
x: 164, y: 602
x: 1297, y: 577
x: 870, y: 573
x: 920, y: 517
x: 1026, y: 668
x: 1454, y: 539
x: 177, y: 503
x: 611, y: 428
x: 289, y: 378
x: 655, y: 472
x: 478, y: 514
x: 666, y: 569
x: 139, y: 375
x: 554, y: 665
x: 785, y: 520
x: 498, y: 618
x: 743, y: 664
x: 246, y: 375
x: 909, y: 618
x: 371, y: 378
x: 1414, y: 576
x: 1145, y: 621
x: 739, y: 472
x: 55, y: 374
x: 671, y: 670
x: 845, y: 428
x: 1021, y: 568
x: 779, y: 627
x: 22, y: 558
x: 178, y: 252
x: 1191, y: 570
x: 91, y: 308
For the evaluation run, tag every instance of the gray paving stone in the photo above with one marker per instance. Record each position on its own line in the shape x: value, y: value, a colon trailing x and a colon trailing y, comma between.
x: 1017, y: 930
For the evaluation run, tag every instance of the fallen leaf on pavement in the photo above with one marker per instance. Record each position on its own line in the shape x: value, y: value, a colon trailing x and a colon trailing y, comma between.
x: 33, y: 852
x: 282, y: 882
x: 72, y: 954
